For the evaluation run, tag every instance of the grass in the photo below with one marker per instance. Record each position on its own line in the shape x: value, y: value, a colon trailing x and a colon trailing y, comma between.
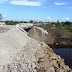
x: 49, y: 25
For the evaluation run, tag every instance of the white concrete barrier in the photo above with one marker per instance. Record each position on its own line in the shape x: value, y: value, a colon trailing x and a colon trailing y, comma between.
x: 24, y: 25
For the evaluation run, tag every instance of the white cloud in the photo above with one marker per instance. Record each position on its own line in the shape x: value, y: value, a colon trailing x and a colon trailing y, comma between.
x: 48, y: 18
x: 66, y: 19
x: 4, y: 16
x: 26, y: 2
x: 59, y: 3
x: 44, y: 19
x: 36, y: 18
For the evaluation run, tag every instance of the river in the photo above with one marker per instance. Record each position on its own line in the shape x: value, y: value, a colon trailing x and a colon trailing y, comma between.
x: 66, y: 54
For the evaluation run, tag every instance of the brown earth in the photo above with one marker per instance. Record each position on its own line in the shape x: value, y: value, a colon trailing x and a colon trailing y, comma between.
x: 54, y: 31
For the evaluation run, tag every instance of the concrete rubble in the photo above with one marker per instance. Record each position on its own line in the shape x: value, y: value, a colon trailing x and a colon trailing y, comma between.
x: 24, y: 25
x: 49, y: 61
x: 20, y: 53
x: 41, y: 35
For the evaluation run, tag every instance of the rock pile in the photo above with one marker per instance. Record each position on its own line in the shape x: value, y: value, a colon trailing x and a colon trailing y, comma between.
x: 20, y: 53
x: 49, y: 61
x: 17, y: 52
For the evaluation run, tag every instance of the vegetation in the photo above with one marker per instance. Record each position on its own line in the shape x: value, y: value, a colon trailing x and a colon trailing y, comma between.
x: 11, y: 22
x: 14, y: 22
x: 1, y: 17
x: 49, y: 25
x: 67, y: 25
x: 31, y: 21
x: 62, y: 29
x: 61, y: 25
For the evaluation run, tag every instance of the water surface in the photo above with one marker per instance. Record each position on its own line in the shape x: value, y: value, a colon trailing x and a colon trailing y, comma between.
x: 66, y: 54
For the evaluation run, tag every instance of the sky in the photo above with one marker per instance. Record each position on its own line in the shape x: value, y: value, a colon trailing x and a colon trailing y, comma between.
x: 37, y: 10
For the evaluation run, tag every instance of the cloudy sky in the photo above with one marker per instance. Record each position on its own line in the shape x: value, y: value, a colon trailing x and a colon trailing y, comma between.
x: 37, y: 10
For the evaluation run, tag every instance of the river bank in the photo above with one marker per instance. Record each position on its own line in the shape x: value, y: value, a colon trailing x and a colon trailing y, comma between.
x: 59, y: 37
x: 63, y: 44
x: 66, y: 54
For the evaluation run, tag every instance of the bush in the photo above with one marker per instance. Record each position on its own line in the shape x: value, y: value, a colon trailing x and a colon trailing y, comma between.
x: 67, y: 23
x: 49, y: 25
x: 11, y: 22
x: 59, y: 25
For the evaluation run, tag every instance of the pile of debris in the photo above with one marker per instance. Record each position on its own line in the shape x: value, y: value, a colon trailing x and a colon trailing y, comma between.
x: 20, y: 53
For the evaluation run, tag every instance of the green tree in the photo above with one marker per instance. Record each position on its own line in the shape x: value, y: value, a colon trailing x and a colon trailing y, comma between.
x: 58, y: 21
x: 1, y: 17
x: 11, y: 22
x: 31, y: 21
x: 67, y: 23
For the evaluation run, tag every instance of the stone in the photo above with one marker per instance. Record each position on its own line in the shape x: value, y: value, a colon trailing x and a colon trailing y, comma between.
x: 59, y: 57
x: 41, y: 69
x: 52, y: 69
x: 61, y: 64
x: 61, y: 70
x: 24, y: 25
x: 54, y: 56
x: 54, y: 63
x: 66, y: 68
x: 45, y: 67
x: 40, y: 34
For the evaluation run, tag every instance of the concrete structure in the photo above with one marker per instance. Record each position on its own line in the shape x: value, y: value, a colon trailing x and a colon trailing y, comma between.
x: 41, y: 35
x: 24, y: 25
x: 2, y: 23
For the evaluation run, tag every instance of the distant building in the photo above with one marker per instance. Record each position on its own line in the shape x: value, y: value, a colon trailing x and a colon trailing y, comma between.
x: 2, y: 23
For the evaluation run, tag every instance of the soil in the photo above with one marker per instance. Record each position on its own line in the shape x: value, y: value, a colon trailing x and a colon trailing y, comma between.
x: 61, y: 31
x: 61, y: 36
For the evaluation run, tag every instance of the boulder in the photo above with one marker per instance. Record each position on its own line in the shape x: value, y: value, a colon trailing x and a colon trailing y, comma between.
x: 66, y: 68
x: 61, y: 70
x: 24, y: 25
x: 41, y: 35
x: 52, y: 69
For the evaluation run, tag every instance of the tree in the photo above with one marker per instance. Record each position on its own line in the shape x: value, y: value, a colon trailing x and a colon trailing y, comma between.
x: 1, y: 17
x: 67, y: 23
x: 11, y: 22
x: 58, y: 21
x: 31, y: 21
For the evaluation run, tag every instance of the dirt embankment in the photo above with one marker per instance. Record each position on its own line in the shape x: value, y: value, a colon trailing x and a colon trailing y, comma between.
x: 62, y: 38
x: 60, y: 31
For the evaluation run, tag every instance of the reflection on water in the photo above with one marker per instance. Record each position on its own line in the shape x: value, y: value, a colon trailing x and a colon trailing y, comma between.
x: 66, y: 54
